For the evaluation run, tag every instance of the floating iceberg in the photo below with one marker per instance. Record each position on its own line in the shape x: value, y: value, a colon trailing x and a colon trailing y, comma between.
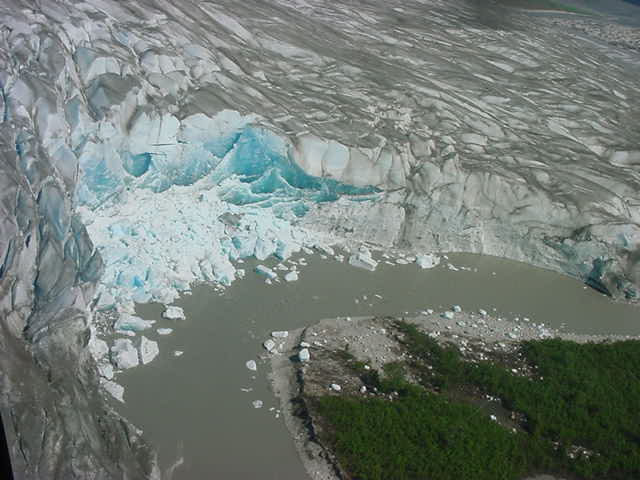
x: 123, y: 354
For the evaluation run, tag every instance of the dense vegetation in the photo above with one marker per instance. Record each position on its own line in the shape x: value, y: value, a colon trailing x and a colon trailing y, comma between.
x: 578, y: 412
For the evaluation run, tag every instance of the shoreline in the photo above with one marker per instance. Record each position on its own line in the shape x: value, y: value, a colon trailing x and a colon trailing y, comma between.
x: 368, y: 339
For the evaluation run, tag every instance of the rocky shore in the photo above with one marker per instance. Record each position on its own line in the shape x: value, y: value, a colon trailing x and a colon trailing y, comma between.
x: 297, y: 377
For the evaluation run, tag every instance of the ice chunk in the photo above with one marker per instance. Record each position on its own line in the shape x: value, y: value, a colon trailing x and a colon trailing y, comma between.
x: 178, y: 353
x: 483, y: 312
x: 335, y: 387
x: 164, y: 331
x: 257, y: 403
x: 266, y: 271
x: 363, y: 260
x: 173, y: 313
x: 303, y: 355
x: 269, y: 345
x: 457, y: 308
x: 427, y: 261
x: 291, y: 276
x: 448, y: 315
x: 114, y: 389
x: 251, y: 365
x: 123, y: 354
x: 280, y: 334
x: 131, y: 323
x: 148, y: 350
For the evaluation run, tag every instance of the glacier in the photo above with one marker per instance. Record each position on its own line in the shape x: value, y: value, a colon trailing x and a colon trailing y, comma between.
x: 147, y: 146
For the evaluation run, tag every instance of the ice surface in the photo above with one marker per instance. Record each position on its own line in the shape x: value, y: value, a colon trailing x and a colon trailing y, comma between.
x: 291, y: 276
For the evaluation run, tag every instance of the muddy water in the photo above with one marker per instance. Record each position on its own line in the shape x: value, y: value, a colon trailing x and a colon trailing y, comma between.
x: 195, y: 403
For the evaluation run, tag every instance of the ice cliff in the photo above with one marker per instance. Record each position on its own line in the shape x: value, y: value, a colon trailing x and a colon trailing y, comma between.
x: 181, y: 138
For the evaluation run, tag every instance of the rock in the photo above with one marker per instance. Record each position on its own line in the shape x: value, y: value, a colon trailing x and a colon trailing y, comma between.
x: 269, y: 345
x: 172, y: 312
x: 304, y: 355
x: 251, y: 365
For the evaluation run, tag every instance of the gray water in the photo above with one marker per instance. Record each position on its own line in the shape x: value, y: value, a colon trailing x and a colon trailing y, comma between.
x: 195, y: 404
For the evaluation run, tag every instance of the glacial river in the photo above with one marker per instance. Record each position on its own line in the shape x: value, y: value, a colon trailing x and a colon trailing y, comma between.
x: 195, y: 404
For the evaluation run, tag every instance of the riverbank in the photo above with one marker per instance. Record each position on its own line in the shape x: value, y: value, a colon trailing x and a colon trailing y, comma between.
x: 341, y: 348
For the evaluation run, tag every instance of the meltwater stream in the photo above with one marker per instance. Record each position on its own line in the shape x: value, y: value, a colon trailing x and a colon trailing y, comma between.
x: 195, y: 405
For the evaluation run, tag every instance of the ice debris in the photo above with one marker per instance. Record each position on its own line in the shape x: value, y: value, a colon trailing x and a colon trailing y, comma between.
x: 148, y: 350
x: 172, y: 312
x: 267, y: 272
x: 114, y: 389
x: 251, y: 365
x: 280, y: 334
x: 257, y: 404
x: 123, y: 354
x: 303, y: 355
x: 335, y: 387
x: 178, y: 353
x: 127, y: 322
x: 291, y: 276
x: 427, y: 260
x: 269, y: 345
x: 363, y: 259
x: 164, y: 331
